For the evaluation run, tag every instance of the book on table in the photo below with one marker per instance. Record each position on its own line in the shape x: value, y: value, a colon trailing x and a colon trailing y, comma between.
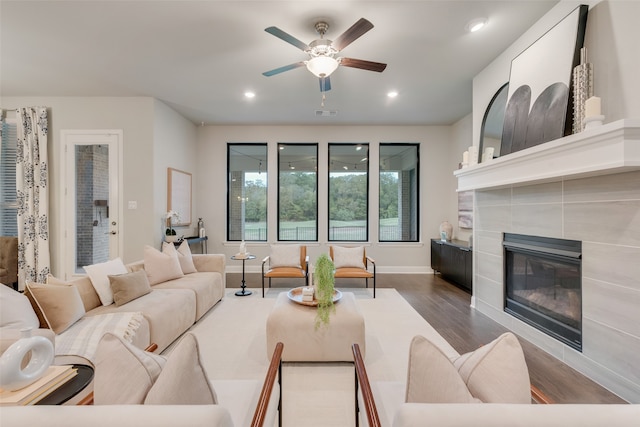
x: 54, y: 378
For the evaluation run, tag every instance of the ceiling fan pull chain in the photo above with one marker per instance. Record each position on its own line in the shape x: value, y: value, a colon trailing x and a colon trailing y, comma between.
x: 323, y: 99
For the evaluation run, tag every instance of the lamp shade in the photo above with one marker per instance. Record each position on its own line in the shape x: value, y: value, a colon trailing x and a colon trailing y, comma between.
x: 322, y: 66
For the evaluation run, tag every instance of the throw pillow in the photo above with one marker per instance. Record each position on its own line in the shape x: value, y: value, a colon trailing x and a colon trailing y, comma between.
x: 99, y: 275
x: 60, y: 305
x: 183, y: 380
x: 127, y: 287
x: 348, y: 257
x: 184, y: 257
x: 497, y: 372
x: 16, y: 312
x: 284, y: 256
x: 124, y: 373
x: 431, y: 377
x: 161, y: 267
x: 88, y: 293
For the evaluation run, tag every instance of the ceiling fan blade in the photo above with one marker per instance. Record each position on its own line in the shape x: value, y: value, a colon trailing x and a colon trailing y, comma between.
x: 365, y: 65
x: 325, y: 84
x: 287, y: 37
x: 283, y: 69
x: 349, y: 36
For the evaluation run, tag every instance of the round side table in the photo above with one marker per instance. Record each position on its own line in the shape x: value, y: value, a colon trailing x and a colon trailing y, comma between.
x: 243, y: 292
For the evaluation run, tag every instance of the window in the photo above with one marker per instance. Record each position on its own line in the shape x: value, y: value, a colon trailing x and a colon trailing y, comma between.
x: 247, y: 192
x: 399, y: 189
x: 298, y: 192
x: 8, y: 201
x: 348, y: 192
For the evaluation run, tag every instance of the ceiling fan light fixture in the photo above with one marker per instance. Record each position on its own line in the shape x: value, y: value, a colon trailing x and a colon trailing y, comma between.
x: 322, y: 66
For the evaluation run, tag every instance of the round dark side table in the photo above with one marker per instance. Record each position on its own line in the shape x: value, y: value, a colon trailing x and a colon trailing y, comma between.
x: 243, y: 292
x: 71, y: 388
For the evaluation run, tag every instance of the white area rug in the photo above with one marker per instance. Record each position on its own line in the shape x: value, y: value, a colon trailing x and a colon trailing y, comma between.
x: 233, y: 345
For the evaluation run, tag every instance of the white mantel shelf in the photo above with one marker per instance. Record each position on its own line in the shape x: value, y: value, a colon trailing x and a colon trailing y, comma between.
x: 607, y: 149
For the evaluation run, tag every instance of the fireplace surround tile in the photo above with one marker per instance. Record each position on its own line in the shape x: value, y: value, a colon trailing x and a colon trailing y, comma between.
x: 614, y: 264
x: 500, y: 196
x: 611, y: 305
x: 612, y: 347
x: 494, y: 218
x: 616, y: 222
x: 489, y: 266
x: 541, y: 193
x: 488, y: 291
x: 622, y: 186
x: 537, y: 220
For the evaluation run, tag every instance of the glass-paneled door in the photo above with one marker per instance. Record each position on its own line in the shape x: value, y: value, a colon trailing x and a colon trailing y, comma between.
x: 92, y: 223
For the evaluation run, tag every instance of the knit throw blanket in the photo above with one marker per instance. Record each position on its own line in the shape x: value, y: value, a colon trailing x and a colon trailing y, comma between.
x: 82, y: 338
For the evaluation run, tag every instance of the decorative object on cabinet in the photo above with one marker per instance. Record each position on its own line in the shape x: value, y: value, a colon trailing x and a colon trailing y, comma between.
x: 538, y: 107
x: 446, y: 231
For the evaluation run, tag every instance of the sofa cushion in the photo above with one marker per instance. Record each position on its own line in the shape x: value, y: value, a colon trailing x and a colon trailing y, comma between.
x: 99, y: 275
x: 207, y: 286
x: 88, y: 294
x: 348, y: 257
x: 183, y: 380
x: 155, y: 306
x: 284, y: 256
x: 61, y: 305
x: 431, y: 377
x: 160, y: 266
x: 129, y: 286
x: 124, y: 374
x: 184, y: 257
x: 495, y: 373
x: 16, y: 311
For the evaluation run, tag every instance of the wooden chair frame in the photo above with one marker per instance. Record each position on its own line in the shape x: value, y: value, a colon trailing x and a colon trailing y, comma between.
x: 287, y: 272
x: 355, y: 273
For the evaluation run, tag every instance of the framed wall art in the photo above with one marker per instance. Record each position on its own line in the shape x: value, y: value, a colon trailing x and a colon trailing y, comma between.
x: 539, y: 106
x: 179, y: 195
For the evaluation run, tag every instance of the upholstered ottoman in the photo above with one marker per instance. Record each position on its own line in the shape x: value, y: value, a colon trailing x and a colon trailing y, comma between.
x: 294, y: 325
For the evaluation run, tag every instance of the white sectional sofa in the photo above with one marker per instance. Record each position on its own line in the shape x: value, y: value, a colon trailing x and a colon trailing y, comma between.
x: 161, y: 315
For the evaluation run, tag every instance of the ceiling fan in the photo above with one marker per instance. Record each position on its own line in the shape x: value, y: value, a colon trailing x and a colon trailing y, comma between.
x: 322, y: 52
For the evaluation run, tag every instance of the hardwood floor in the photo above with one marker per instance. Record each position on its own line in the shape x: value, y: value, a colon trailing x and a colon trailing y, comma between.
x: 446, y: 308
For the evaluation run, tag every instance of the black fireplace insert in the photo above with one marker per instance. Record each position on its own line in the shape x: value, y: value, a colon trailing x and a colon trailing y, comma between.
x: 543, y: 284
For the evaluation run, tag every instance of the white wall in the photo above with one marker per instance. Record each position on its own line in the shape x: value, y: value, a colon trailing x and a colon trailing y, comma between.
x: 135, y: 117
x: 436, y: 185
x: 174, y: 147
x: 460, y: 142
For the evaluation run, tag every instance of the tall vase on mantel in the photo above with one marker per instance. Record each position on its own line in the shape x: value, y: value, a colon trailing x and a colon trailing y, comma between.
x: 446, y: 231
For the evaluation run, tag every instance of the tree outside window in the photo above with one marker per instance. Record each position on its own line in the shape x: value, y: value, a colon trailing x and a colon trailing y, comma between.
x: 247, y: 192
x: 399, y: 190
x: 298, y: 192
x: 348, y: 192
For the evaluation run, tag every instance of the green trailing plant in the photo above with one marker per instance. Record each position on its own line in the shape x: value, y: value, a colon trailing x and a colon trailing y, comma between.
x: 324, y: 281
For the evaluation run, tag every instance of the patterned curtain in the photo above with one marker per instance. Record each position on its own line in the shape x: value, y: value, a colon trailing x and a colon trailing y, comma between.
x: 32, y: 188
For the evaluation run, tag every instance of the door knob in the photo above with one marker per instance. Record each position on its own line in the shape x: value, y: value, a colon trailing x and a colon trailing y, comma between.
x: 110, y: 232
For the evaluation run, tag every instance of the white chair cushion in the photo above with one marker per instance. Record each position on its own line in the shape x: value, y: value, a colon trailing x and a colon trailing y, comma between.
x: 495, y: 373
x: 348, y: 257
x: 284, y: 256
x: 124, y: 373
x: 183, y: 380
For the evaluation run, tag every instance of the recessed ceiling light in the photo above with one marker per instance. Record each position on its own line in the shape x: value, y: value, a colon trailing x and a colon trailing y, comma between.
x: 392, y: 94
x: 476, y: 24
x: 249, y: 94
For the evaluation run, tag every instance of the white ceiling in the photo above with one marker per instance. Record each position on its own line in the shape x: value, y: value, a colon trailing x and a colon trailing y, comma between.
x: 200, y: 57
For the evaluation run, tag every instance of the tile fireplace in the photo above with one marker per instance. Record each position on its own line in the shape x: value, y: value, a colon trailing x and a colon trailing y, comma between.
x: 543, y: 285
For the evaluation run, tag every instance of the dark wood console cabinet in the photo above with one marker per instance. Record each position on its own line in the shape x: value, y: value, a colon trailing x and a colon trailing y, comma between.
x: 454, y: 261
